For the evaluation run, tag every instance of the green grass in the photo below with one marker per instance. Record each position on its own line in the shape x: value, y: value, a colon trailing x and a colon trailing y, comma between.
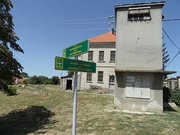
x: 51, y: 110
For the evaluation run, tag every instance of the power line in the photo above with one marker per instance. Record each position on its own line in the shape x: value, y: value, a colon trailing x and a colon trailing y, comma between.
x: 81, y: 30
x: 92, y: 29
x: 57, y: 23
x: 87, y: 19
x: 168, y: 20
x: 173, y: 58
x: 72, y: 21
x: 170, y: 39
x: 174, y: 45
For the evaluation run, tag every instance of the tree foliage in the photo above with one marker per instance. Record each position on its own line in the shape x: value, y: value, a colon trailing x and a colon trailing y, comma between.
x: 70, y: 73
x: 9, y: 66
x: 43, y: 80
x: 55, y: 80
x: 24, y: 74
x: 165, y: 56
x: 175, y: 96
x: 33, y: 80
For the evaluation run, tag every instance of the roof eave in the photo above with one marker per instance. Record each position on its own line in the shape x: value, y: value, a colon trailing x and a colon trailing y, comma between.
x: 161, y: 3
x: 146, y: 71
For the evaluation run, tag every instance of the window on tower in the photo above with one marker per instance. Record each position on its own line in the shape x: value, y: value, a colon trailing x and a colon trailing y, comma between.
x: 139, y: 14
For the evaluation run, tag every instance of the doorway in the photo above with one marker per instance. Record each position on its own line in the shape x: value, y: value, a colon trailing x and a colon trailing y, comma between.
x: 69, y: 85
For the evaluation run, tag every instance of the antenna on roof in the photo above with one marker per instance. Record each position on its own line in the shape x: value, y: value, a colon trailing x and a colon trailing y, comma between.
x: 113, y: 31
x: 112, y: 24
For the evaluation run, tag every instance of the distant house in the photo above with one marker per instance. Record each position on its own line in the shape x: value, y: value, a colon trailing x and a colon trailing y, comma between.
x: 19, y: 80
x: 172, y: 83
x: 66, y: 82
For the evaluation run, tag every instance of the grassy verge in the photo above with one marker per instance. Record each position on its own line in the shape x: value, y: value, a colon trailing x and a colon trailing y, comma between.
x: 51, y: 110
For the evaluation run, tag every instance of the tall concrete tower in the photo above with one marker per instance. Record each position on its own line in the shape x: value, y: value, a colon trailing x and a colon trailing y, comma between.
x: 138, y: 66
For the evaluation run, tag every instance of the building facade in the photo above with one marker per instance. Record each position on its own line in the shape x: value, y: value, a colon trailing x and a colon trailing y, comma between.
x: 172, y: 83
x: 102, y: 52
x: 138, y: 65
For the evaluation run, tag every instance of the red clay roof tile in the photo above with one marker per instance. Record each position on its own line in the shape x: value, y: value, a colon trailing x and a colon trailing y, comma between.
x: 106, y: 37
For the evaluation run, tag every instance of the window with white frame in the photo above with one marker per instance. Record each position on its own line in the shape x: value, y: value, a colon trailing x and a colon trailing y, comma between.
x: 89, y: 77
x: 100, y: 76
x: 90, y: 55
x: 111, y: 78
x: 112, y: 56
x: 101, y: 55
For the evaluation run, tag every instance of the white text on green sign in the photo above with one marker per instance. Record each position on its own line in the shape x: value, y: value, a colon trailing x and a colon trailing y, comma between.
x: 62, y: 63
x: 76, y: 49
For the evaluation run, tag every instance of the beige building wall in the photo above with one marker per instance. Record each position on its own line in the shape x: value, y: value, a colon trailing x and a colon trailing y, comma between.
x: 106, y: 66
x: 178, y: 80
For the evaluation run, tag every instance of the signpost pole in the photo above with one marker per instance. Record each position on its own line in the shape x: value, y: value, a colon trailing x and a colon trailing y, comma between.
x: 75, y: 101
x: 62, y: 63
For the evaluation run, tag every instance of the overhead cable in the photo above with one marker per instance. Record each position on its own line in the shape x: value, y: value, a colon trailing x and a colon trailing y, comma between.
x: 168, y: 20
x: 173, y: 58
x: 81, y: 30
x: 57, y: 23
x: 170, y: 39
x: 72, y: 21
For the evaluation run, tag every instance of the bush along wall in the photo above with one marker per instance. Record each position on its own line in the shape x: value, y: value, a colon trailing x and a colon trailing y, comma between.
x: 175, y: 96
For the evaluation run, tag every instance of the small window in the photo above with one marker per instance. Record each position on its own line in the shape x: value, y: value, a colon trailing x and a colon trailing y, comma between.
x: 100, y: 76
x: 89, y: 77
x: 112, y: 56
x: 90, y: 55
x: 146, y: 16
x: 138, y: 86
x: 139, y: 14
x: 139, y: 17
x: 111, y: 79
x: 101, y: 55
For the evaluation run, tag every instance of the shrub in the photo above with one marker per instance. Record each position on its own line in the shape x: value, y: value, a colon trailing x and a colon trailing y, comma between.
x: 25, y: 82
x: 175, y: 96
x: 11, y: 90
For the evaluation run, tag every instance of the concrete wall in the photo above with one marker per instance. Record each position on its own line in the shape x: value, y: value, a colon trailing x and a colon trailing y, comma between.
x: 139, y: 43
x: 138, y: 58
x: 152, y: 102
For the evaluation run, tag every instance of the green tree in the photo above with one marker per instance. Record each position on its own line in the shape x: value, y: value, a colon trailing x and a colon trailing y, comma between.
x: 49, y: 81
x: 24, y: 74
x: 165, y: 56
x: 42, y: 79
x: 175, y: 96
x: 55, y: 80
x: 9, y: 66
x: 33, y: 80
x: 70, y: 73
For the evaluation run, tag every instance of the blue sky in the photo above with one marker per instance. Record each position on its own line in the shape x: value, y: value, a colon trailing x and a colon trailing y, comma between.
x: 46, y: 27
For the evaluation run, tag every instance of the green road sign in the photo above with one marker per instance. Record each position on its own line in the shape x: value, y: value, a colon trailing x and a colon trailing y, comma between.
x: 76, y: 49
x: 62, y: 63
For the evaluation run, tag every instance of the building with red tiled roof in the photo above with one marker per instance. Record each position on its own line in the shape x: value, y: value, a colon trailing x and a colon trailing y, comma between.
x: 106, y: 37
x: 102, y: 52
